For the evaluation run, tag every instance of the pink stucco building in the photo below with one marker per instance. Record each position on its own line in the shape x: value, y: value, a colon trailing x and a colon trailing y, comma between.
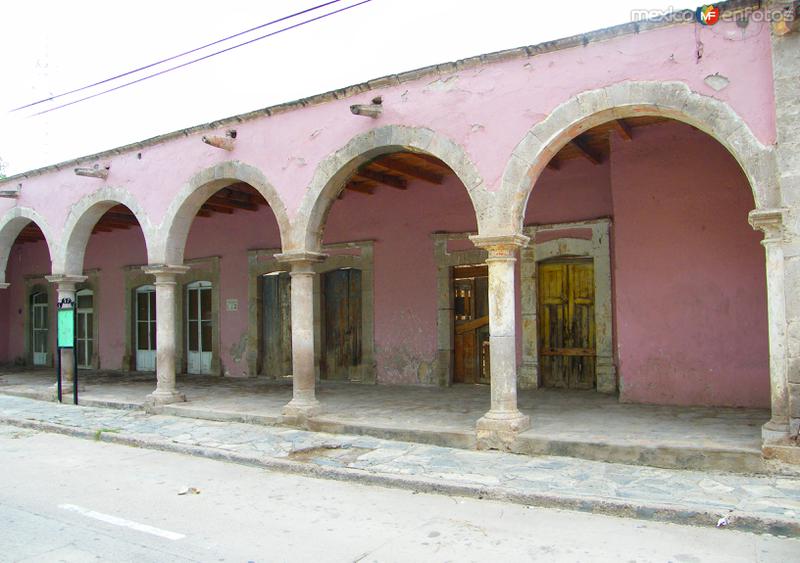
x: 591, y: 213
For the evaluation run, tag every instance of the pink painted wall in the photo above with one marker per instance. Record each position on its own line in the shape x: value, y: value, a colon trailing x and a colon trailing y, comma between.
x: 401, y: 222
x: 25, y: 259
x: 110, y: 253
x: 689, y: 271
x: 689, y: 304
x: 230, y: 237
x: 4, y: 357
x: 485, y: 109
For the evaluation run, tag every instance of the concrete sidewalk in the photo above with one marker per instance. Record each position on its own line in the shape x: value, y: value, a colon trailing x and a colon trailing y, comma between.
x: 582, y: 424
x: 765, y: 504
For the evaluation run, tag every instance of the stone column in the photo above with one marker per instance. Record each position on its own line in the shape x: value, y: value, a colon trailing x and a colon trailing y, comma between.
x: 166, y: 304
x: 498, y: 427
x: 304, y: 403
x: 65, y: 289
x: 770, y: 221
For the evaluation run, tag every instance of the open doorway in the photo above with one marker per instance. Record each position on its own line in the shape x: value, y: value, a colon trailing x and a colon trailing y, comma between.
x: 471, y: 324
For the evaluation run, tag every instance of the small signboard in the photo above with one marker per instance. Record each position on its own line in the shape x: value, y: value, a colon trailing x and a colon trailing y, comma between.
x: 66, y: 328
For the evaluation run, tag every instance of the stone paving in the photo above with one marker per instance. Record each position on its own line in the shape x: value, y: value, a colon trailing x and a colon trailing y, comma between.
x: 756, y: 503
x: 577, y: 423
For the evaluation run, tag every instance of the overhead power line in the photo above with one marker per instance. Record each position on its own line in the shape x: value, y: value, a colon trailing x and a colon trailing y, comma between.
x: 172, y: 58
x: 193, y: 61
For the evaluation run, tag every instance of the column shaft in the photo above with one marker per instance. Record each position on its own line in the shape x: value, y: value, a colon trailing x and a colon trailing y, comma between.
x: 498, y: 427
x: 776, y: 312
x: 304, y: 403
x: 166, y: 305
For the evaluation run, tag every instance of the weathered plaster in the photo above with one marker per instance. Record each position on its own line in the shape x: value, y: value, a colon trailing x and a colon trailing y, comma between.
x: 672, y: 100
x: 10, y: 226
x: 331, y: 175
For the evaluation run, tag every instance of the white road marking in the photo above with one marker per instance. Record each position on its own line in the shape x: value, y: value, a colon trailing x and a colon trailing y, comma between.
x: 122, y: 522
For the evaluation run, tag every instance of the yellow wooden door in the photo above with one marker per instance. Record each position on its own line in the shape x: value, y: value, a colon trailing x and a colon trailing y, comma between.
x: 566, y: 324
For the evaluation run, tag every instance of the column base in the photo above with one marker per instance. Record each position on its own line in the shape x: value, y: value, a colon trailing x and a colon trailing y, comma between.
x: 297, y: 412
x: 775, y: 432
x: 498, y: 430
x: 159, y: 398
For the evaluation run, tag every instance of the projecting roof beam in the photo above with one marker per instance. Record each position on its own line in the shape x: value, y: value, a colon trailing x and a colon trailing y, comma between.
x: 622, y: 129
x: 360, y: 187
x: 586, y: 151
x: 382, y: 178
x: 410, y: 170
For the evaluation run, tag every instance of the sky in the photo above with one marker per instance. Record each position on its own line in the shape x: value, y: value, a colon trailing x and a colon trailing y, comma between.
x: 48, y: 47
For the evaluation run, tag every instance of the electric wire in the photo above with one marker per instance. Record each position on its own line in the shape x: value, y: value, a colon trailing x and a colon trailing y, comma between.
x: 172, y: 58
x: 182, y: 65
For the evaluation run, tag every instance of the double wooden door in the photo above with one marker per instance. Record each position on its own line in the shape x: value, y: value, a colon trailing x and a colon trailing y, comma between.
x: 341, y: 334
x: 566, y: 324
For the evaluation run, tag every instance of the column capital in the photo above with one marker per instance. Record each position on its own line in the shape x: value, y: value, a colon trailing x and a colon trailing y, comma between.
x: 300, y: 256
x: 770, y: 222
x: 66, y: 283
x: 4, y: 285
x: 164, y: 270
x: 66, y: 279
x: 301, y: 261
x: 500, y: 245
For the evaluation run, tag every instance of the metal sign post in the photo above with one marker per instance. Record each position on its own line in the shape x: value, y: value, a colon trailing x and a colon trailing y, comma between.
x: 67, y: 324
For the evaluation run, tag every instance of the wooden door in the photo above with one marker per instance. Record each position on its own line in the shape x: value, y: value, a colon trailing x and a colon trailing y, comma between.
x: 276, y: 344
x: 471, y: 324
x: 566, y: 324
x: 341, y: 339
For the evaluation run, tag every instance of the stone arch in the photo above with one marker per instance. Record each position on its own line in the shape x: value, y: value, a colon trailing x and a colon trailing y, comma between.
x: 82, y: 219
x: 328, y: 180
x: 10, y: 226
x: 673, y: 100
x: 174, y: 228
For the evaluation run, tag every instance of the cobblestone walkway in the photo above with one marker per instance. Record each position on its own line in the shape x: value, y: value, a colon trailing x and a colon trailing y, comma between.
x: 756, y: 503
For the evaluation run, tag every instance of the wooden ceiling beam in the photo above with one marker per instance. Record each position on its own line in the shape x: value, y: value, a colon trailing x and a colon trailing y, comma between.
x: 410, y: 170
x: 586, y: 151
x: 217, y: 208
x: 432, y: 160
x: 232, y: 203
x: 382, y: 178
x: 622, y: 129
x: 360, y: 187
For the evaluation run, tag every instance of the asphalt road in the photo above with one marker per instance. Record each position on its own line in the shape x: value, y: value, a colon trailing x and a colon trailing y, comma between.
x: 67, y: 499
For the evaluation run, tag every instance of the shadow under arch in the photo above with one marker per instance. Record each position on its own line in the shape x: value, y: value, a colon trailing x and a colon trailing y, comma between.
x: 331, y: 173
x: 174, y: 229
x: 673, y: 100
x: 82, y: 219
x: 11, y: 224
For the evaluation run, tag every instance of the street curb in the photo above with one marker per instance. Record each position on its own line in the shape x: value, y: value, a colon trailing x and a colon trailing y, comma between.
x: 684, y: 515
